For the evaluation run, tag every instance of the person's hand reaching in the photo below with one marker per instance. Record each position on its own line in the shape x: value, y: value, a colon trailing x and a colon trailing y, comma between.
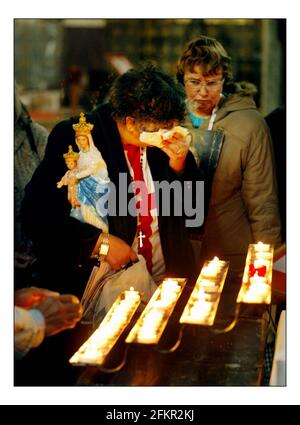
x: 62, y: 312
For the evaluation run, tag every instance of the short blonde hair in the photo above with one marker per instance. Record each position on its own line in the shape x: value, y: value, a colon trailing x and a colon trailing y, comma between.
x: 209, y: 54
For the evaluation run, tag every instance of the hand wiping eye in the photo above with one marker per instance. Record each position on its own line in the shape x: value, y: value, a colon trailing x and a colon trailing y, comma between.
x: 158, y: 138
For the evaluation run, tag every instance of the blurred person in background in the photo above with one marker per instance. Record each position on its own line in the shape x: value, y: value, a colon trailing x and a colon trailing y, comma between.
x: 232, y: 145
x: 30, y: 139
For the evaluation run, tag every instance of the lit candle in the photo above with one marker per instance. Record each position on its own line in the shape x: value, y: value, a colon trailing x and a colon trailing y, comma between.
x: 150, y: 325
x: 257, y: 277
x: 96, y: 348
x: 209, y: 285
x: 258, y: 291
x: 202, y: 305
x: 258, y: 283
x: 261, y: 262
x: 212, y: 268
x: 170, y: 285
x: 201, y: 309
x: 260, y: 246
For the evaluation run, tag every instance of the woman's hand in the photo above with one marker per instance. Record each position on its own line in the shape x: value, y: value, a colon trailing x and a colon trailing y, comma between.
x: 176, y: 148
x: 119, y: 253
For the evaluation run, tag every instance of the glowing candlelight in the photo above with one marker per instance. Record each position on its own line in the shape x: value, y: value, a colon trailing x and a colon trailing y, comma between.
x: 97, y: 347
x: 262, y: 247
x: 257, y: 278
x: 203, y: 303
x: 152, y: 322
x: 211, y: 268
x: 260, y: 262
x: 257, y: 291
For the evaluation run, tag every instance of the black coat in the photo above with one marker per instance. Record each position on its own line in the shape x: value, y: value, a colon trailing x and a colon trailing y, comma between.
x: 62, y: 243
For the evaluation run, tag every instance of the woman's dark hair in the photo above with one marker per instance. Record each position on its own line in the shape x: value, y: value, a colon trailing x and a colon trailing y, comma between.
x: 207, y: 52
x: 147, y: 94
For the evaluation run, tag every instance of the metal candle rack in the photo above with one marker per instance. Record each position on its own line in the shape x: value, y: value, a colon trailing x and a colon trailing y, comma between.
x: 98, y: 346
x: 257, y: 278
x: 152, y: 322
x: 201, y: 308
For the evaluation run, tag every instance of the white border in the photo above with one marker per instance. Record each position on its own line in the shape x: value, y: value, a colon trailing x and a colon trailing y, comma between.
x: 128, y: 395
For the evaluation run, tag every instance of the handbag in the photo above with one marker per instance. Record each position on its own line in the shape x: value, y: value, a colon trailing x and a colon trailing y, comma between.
x: 105, y: 285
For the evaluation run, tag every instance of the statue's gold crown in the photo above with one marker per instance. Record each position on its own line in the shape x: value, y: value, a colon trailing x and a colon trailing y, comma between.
x: 82, y: 128
x: 71, y: 154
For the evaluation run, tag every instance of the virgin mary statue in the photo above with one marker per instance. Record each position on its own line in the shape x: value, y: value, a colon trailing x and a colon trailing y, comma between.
x: 89, y: 177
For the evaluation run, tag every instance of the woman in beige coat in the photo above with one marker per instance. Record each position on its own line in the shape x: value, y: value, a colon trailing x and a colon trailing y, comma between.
x: 232, y: 144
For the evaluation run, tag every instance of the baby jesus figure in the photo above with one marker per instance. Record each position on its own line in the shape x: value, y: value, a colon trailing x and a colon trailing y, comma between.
x: 71, y: 159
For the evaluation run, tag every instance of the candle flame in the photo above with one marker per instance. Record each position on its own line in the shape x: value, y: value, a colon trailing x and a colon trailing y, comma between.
x: 203, y: 303
x: 151, y: 324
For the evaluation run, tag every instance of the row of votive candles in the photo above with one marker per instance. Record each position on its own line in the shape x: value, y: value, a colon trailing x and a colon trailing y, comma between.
x: 147, y: 330
x: 203, y: 303
x: 97, y: 347
x: 200, y: 309
x: 257, y: 278
x: 152, y: 322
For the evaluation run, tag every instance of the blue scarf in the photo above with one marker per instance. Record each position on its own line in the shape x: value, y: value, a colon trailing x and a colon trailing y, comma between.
x: 196, y: 121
